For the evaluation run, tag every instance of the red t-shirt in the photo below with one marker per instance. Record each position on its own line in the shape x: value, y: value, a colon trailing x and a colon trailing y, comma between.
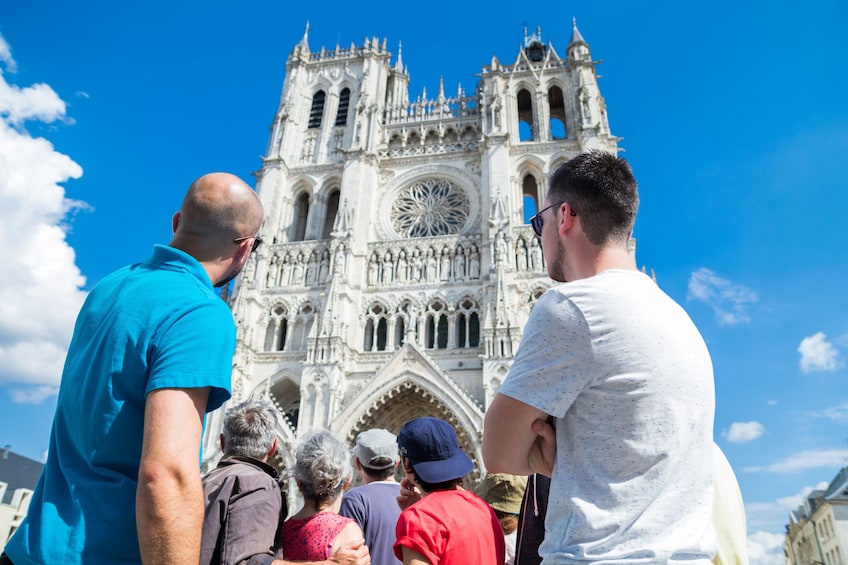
x: 451, y: 527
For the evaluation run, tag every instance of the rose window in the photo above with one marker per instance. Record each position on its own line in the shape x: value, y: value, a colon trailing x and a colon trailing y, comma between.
x: 428, y: 208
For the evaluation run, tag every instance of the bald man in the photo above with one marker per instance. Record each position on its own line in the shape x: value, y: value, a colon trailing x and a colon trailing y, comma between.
x: 150, y: 355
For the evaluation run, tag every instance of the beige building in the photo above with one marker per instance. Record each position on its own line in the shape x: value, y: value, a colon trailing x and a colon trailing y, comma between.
x: 400, y: 268
x: 817, y: 532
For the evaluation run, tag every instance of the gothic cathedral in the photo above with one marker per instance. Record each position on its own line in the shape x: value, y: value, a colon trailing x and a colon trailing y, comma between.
x: 400, y: 268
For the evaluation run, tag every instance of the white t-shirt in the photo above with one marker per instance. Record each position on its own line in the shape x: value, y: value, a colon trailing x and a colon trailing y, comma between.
x: 629, y: 380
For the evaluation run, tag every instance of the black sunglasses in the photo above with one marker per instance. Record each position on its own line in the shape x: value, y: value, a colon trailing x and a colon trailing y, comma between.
x: 536, y: 219
x: 257, y: 241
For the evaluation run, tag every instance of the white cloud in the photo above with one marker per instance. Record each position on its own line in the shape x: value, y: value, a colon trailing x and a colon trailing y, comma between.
x: 765, y: 548
x: 729, y: 301
x: 41, y: 291
x: 818, y: 354
x: 6, y: 56
x: 811, y: 459
x: 835, y: 413
x: 773, y: 516
x: 743, y: 432
x: 772, y: 402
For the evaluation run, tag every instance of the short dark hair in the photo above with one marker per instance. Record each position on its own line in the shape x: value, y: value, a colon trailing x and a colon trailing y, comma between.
x: 379, y: 474
x: 601, y: 189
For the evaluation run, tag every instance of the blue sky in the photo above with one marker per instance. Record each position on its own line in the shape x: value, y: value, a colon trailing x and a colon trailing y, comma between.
x: 733, y: 116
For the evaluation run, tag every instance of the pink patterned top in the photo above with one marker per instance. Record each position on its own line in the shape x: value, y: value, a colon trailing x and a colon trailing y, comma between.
x: 311, y: 539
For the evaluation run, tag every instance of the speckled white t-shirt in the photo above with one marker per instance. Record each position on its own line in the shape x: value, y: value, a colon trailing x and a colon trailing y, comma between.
x: 629, y: 380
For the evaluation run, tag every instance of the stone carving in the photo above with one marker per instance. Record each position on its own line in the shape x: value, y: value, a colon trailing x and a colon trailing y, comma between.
x: 430, y: 207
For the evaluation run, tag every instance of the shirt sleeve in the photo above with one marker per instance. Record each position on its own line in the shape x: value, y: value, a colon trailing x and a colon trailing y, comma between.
x: 551, y: 366
x: 353, y: 507
x: 421, y: 532
x: 196, y: 351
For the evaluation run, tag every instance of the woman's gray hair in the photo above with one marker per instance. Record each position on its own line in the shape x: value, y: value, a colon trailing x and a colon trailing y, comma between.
x: 250, y: 429
x: 322, y: 466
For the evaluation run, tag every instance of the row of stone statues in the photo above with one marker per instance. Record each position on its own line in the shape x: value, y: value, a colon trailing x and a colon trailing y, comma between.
x: 404, y: 265
x: 428, y: 265
x: 296, y: 269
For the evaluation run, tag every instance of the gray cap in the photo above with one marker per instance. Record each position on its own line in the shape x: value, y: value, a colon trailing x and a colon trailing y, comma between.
x: 373, y: 447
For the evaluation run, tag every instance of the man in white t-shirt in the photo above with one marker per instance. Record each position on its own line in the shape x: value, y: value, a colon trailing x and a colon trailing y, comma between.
x: 626, y: 377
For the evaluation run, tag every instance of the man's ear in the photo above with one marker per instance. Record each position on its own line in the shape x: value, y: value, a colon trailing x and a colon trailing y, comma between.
x: 357, y: 463
x: 175, y: 222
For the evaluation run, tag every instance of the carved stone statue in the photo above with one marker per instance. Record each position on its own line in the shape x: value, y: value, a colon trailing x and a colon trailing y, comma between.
x: 402, y: 267
x: 474, y: 263
x: 431, y: 266
x: 445, y: 265
x: 373, y: 270
x: 536, y: 255
x: 459, y: 264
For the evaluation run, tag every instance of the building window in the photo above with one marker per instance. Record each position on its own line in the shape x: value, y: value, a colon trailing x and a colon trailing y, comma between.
x: 429, y: 208
x: 376, y: 329
x: 330, y: 217
x: 301, y: 215
x: 557, y: 111
x: 276, y: 330
x: 468, y: 324
x: 525, y: 116
x: 530, y: 197
x: 436, y: 328
x: 302, y: 327
x: 344, y: 102
x: 316, y: 113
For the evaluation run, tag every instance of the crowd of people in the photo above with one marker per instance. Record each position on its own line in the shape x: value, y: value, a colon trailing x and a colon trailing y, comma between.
x: 598, y: 445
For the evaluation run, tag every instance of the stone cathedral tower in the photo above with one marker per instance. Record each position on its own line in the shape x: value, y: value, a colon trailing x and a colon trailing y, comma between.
x: 400, y: 270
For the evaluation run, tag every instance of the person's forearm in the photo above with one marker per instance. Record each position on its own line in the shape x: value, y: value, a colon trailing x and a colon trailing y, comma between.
x: 169, y: 512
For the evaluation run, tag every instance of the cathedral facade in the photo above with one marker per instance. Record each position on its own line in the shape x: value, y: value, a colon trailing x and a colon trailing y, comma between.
x: 399, y: 268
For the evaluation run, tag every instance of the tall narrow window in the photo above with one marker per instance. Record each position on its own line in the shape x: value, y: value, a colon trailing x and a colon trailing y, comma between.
x: 330, y: 218
x: 381, y: 335
x: 474, y: 330
x: 316, y: 113
x: 530, y: 197
x: 525, y: 116
x: 557, y: 111
x: 442, y: 340
x: 429, y: 333
x: 400, y: 331
x: 344, y: 102
x: 301, y: 214
x: 460, y: 331
x: 368, y: 343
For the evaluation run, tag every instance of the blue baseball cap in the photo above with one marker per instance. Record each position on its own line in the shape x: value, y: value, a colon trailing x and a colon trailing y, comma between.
x: 433, y: 450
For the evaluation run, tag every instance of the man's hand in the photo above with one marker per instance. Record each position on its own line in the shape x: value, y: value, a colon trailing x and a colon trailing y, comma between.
x: 409, y: 494
x: 543, y: 452
x: 354, y: 553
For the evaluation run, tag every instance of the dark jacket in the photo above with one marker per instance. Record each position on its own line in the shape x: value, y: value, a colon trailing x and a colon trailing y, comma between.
x: 244, y: 508
x: 531, y: 520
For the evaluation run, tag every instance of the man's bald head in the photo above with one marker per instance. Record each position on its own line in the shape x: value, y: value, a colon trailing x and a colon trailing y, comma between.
x: 217, y: 208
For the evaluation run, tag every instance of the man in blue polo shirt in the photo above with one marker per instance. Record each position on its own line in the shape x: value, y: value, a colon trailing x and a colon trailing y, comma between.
x: 150, y: 355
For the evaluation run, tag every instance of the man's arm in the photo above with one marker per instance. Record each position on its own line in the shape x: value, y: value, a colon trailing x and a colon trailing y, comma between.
x: 169, y: 498
x: 352, y: 553
x: 517, y: 439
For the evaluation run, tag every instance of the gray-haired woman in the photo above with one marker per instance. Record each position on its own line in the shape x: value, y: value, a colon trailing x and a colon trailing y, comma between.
x: 322, y: 471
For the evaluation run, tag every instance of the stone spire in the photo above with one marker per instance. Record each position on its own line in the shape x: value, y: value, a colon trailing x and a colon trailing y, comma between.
x: 576, y: 36
x: 399, y: 62
x: 304, y: 42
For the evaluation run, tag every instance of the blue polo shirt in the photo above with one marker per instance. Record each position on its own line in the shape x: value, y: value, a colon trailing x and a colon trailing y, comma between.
x: 157, y: 324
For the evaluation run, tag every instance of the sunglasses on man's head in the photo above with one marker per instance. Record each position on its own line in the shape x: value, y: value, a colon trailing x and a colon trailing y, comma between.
x: 536, y: 219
